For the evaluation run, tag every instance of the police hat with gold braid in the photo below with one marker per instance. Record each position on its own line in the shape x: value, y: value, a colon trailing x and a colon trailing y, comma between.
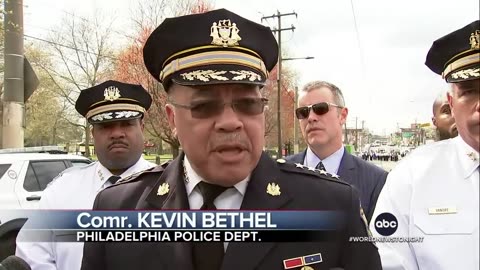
x: 113, y: 101
x: 456, y: 56
x: 215, y: 47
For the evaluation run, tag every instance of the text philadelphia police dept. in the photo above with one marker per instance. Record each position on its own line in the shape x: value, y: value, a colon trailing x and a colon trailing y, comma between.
x: 175, y: 226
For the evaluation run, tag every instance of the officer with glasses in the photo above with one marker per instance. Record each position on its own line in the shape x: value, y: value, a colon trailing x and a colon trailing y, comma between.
x: 212, y: 67
x: 322, y: 114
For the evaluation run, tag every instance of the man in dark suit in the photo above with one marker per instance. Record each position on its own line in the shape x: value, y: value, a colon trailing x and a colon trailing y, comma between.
x: 212, y: 66
x: 322, y: 113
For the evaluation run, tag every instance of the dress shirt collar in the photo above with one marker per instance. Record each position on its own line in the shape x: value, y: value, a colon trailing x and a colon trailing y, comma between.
x: 331, y: 163
x: 103, y: 173
x: 467, y: 156
x: 194, y: 179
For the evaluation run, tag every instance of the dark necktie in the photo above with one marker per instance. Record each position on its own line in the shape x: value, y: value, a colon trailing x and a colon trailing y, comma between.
x: 208, y: 256
x: 113, y: 179
x: 320, y: 166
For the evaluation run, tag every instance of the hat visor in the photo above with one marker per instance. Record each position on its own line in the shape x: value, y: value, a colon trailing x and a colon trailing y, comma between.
x: 219, y: 74
x: 112, y: 116
x: 466, y: 73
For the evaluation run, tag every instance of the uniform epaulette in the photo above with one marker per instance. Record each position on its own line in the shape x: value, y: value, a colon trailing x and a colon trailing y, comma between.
x: 134, y: 177
x: 300, y: 168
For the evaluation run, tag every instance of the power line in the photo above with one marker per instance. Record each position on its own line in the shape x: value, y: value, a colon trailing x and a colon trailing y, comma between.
x: 68, y: 47
x: 362, y: 61
x: 80, y: 50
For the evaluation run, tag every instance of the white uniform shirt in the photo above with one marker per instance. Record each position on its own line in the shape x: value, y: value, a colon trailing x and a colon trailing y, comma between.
x: 75, y: 188
x: 433, y: 193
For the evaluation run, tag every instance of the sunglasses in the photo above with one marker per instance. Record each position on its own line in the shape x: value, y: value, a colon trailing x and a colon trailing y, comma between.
x: 318, y: 108
x: 209, y: 108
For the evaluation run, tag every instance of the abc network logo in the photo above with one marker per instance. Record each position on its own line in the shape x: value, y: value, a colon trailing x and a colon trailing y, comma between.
x: 386, y: 224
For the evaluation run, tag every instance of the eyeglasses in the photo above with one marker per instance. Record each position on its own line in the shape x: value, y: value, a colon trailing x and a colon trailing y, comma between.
x: 209, y: 108
x: 318, y: 108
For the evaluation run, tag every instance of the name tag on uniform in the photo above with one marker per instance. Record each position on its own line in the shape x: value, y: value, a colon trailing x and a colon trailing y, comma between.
x: 442, y: 210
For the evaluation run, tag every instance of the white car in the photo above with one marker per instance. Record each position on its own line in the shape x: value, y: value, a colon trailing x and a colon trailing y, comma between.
x: 23, y: 177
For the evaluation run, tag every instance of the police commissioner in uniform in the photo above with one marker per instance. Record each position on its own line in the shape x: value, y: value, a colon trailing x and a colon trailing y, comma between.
x: 230, y: 56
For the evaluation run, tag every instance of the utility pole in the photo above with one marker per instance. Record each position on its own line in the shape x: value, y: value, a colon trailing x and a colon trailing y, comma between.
x: 362, y: 138
x: 356, y: 133
x: 13, y: 97
x: 279, y: 93
x: 295, y: 139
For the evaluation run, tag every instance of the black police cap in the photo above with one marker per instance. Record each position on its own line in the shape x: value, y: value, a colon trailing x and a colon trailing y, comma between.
x: 210, y: 48
x: 113, y: 101
x: 456, y: 56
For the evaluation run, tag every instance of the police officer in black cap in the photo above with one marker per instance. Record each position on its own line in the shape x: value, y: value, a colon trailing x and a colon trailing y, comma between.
x: 433, y: 192
x: 213, y: 66
x: 116, y: 112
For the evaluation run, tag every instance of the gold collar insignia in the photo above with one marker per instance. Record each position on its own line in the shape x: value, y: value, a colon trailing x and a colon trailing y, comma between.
x: 273, y: 189
x: 163, y: 189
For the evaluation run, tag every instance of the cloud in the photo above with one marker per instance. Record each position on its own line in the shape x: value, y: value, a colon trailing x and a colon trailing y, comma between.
x: 376, y: 57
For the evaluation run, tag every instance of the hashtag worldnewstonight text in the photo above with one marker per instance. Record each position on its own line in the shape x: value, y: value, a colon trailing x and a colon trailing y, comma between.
x: 361, y: 239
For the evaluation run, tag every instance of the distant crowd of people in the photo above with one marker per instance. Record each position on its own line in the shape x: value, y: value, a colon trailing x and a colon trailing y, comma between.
x: 382, y: 156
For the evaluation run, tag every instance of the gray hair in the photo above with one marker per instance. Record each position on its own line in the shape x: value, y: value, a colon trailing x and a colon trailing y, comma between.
x: 337, y: 93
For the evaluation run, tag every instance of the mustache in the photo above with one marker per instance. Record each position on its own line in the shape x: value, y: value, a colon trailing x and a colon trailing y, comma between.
x: 230, y: 139
x: 117, y: 142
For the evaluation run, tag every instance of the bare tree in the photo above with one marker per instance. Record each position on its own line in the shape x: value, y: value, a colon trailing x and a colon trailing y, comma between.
x: 149, y: 14
x: 82, y: 56
x: 46, y: 111
x: 130, y: 67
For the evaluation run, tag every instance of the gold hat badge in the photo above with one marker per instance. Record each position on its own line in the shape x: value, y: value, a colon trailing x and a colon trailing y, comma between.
x: 163, y: 189
x: 475, y: 40
x: 273, y: 189
x: 111, y: 93
x: 225, y: 33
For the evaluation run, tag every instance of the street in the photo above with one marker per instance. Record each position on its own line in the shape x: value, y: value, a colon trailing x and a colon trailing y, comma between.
x: 386, y: 165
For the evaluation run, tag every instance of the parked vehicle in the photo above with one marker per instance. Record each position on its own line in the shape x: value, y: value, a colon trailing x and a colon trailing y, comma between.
x: 24, y: 174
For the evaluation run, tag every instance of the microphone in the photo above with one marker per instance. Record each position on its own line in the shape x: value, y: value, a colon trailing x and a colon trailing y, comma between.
x: 14, y: 263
